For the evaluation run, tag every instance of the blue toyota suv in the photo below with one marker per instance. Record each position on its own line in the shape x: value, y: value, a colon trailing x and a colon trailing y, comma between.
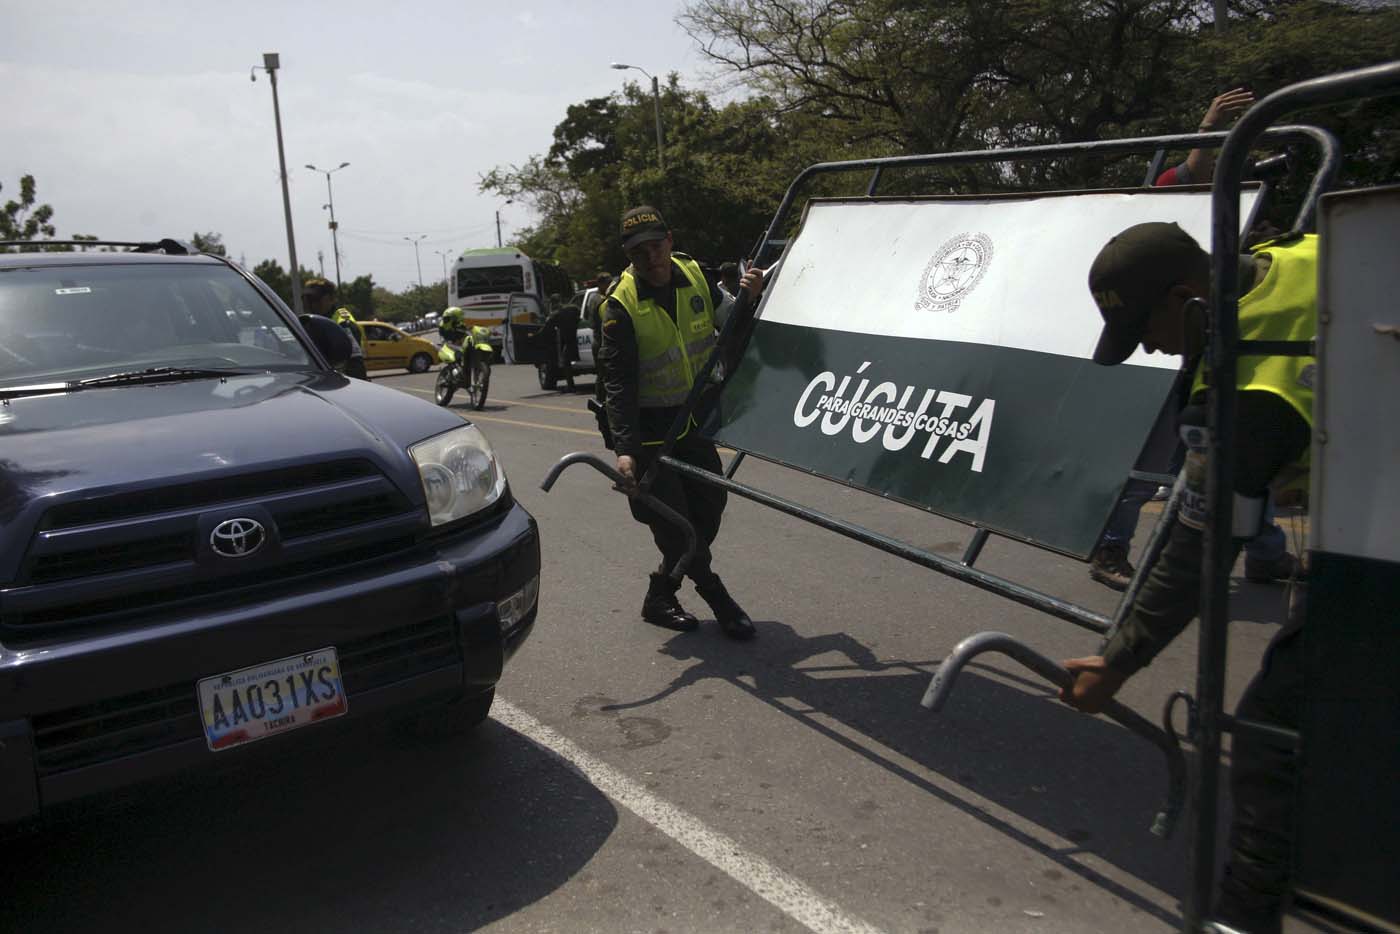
x: 210, y: 539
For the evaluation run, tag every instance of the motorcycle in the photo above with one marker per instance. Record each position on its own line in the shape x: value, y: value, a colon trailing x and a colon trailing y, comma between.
x: 465, y: 367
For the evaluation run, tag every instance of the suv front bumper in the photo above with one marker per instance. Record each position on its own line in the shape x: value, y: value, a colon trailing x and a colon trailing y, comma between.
x: 91, y: 712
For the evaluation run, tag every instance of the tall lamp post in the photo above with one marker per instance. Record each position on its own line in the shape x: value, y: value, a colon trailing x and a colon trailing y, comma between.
x: 330, y: 196
x: 271, y: 62
x: 415, y: 241
x: 656, y: 105
x: 443, y: 254
x: 498, y: 222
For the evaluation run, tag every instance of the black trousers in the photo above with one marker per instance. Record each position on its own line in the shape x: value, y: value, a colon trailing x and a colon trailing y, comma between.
x: 1263, y: 786
x: 700, y: 503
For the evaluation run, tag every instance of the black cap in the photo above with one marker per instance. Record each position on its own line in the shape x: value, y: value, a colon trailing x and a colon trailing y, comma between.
x: 641, y: 224
x: 1132, y: 274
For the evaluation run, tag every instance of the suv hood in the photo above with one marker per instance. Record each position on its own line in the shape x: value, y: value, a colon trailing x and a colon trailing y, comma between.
x: 133, y: 437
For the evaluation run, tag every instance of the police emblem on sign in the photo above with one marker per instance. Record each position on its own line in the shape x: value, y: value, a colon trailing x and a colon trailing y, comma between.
x: 954, y: 272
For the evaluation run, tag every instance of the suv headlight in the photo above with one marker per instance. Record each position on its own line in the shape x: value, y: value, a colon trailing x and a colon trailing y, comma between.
x: 460, y: 473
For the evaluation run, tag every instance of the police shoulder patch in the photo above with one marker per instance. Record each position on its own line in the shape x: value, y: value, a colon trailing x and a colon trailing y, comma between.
x: 697, y: 304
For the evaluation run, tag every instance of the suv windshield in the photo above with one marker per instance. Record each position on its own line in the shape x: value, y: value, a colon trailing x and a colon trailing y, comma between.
x: 80, y: 321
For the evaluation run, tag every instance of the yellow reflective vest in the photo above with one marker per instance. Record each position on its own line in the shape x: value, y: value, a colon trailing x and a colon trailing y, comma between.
x: 346, y: 319
x: 669, y: 353
x: 1281, y: 307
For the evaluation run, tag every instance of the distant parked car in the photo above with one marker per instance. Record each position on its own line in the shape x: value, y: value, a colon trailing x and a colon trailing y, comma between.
x: 387, y: 348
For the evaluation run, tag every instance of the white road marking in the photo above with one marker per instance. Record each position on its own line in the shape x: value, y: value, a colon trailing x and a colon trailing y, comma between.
x: 782, y: 891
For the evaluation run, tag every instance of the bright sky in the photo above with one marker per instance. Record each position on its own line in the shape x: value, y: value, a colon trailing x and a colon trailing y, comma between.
x: 138, y: 120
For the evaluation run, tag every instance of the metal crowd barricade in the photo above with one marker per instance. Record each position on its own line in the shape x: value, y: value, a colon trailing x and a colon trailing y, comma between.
x: 1223, y: 352
x: 1207, y: 720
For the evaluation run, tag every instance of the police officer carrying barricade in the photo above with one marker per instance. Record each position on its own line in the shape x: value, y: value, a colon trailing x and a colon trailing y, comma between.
x: 1146, y: 282
x: 658, y: 329
x: 318, y: 297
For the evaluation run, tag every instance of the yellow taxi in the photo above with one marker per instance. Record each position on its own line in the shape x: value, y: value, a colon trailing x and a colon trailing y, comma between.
x: 387, y: 348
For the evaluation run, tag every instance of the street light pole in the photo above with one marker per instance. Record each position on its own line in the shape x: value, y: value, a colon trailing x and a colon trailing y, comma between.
x: 443, y: 254
x: 498, y: 222
x: 415, y: 241
x: 656, y: 107
x: 271, y: 62
x: 330, y: 197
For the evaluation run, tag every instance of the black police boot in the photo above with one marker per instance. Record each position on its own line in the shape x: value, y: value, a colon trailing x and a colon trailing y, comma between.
x: 661, y: 608
x: 730, y: 616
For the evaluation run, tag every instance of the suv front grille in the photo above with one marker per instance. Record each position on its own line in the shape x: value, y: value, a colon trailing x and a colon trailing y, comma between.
x: 106, y: 561
x: 147, y: 720
x: 110, y: 559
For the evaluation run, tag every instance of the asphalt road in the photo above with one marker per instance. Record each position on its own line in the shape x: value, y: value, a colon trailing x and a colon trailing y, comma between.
x: 634, y: 779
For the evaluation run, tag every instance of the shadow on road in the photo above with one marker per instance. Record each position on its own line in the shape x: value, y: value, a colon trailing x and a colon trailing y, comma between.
x: 366, y: 831
x: 1003, y: 737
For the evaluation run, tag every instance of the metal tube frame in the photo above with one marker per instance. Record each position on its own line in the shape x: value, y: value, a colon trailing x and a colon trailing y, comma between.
x: 1011, y: 590
x: 731, y: 336
x: 940, y: 686
x: 1208, y: 720
x: 1223, y: 350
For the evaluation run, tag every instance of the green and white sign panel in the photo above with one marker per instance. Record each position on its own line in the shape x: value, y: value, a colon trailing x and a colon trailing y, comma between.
x: 939, y: 353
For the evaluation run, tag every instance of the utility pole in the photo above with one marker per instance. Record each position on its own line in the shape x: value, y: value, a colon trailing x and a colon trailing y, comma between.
x: 271, y: 62
x: 414, y: 241
x: 321, y: 261
x: 330, y: 198
x: 498, y: 221
x: 1222, y: 16
x: 443, y: 254
x: 656, y: 102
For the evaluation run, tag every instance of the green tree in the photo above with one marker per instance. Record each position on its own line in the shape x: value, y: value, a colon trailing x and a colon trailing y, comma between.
x: 413, y: 302
x: 949, y: 75
x: 359, y: 296
x: 23, y: 219
x: 209, y: 243
x: 275, y: 277
x: 726, y: 169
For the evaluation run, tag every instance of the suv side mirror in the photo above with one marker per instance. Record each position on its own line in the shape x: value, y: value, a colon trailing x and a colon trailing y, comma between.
x: 330, y: 340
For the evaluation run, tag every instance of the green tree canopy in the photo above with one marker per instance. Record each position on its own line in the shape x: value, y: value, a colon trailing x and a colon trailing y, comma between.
x: 949, y: 75
x: 276, y: 278
x: 844, y: 79
x: 209, y: 243
x: 23, y: 219
x: 726, y: 169
x: 359, y: 296
x: 412, y: 303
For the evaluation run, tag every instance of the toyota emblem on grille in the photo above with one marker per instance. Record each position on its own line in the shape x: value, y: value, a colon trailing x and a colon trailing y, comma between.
x: 237, y: 538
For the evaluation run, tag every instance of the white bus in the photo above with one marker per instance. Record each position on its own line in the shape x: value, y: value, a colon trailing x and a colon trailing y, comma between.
x: 487, y: 283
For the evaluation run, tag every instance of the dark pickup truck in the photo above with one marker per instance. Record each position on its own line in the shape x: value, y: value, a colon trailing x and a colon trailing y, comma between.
x: 210, y: 539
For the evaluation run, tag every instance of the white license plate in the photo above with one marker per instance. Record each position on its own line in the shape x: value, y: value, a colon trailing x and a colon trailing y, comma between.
x: 254, y: 703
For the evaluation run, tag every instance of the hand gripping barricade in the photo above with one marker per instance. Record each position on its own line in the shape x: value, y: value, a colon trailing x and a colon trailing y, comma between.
x: 938, y: 377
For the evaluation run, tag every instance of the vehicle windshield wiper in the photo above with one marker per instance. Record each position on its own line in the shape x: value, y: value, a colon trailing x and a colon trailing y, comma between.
x: 158, y: 374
